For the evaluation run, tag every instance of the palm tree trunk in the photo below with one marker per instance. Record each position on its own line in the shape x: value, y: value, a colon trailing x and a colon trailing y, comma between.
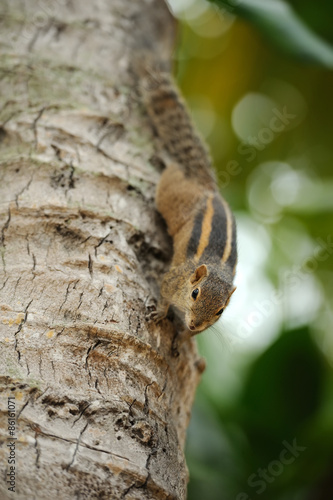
x: 93, y: 404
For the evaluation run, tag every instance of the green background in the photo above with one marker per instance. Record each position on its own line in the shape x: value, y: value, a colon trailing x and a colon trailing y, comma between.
x: 262, y: 424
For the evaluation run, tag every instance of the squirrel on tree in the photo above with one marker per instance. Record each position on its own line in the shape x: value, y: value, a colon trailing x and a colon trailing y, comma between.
x: 199, y: 282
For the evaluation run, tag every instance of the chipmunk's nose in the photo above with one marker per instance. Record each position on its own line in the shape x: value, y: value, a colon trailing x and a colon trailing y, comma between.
x: 194, y: 325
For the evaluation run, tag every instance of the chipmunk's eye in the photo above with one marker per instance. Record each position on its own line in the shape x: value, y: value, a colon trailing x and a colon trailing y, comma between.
x: 195, y: 293
x: 220, y: 312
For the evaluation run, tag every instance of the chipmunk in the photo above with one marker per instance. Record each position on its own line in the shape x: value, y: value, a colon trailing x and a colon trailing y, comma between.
x: 199, y: 282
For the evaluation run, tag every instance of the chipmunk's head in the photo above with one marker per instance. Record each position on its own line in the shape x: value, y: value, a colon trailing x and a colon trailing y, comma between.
x: 209, y: 292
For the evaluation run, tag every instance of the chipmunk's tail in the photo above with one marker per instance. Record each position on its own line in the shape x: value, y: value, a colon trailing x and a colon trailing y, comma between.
x: 174, y: 126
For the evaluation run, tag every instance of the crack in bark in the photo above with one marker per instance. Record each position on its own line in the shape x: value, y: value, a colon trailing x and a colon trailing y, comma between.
x: 23, y: 321
x: 144, y: 483
x: 40, y: 366
x: 146, y: 405
x: 33, y: 263
x: 28, y: 246
x: 130, y: 408
x: 85, y: 445
x: 101, y: 241
x: 42, y: 393
x: 80, y: 301
x: 4, y: 283
x: 116, y: 129
x: 4, y: 228
x: 77, y: 446
x: 106, y: 305
x: 90, y: 349
x: 97, y: 388
x: 16, y: 284
x: 31, y: 395
x: 85, y: 240
x: 57, y: 152
x: 37, y: 448
x: 66, y: 295
x: 90, y: 265
x: 34, y: 126
x: 25, y: 188
x: 22, y: 409
x: 59, y: 333
x: 2, y: 251
x: 81, y: 413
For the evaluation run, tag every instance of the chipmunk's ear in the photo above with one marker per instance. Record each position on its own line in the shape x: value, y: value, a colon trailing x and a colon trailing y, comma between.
x: 232, y: 291
x: 198, y: 274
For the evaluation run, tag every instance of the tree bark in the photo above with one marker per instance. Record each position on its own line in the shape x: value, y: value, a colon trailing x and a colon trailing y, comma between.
x: 101, y: 405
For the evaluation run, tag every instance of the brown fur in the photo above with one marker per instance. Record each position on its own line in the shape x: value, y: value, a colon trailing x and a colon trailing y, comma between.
x: 184, y: 198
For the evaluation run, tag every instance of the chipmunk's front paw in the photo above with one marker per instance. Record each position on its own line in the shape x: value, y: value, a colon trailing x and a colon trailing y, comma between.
x: 160, y: 313
x: 156, y: 316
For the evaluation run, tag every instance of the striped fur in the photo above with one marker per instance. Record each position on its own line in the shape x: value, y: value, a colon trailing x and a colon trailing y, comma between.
x: 175, y: 128
x: 200, y: 280
x: 213, y: 236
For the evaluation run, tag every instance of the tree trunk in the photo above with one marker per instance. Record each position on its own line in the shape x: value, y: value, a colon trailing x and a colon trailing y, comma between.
x: 101, y: 405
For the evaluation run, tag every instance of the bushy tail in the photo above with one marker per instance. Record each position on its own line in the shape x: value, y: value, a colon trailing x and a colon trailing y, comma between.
x: 174, y: 126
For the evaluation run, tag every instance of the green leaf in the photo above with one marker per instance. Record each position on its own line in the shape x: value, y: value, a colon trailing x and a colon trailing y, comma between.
x: 284, y: 390
x: 277, y: 21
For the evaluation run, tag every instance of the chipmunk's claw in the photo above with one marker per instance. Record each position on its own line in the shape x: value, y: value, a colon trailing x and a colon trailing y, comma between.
x: 157, y: 316
x: 160, y: 313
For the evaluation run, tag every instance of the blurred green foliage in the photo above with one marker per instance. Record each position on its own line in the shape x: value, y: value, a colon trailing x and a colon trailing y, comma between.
x: 262, y: 425
x: 279, y: 23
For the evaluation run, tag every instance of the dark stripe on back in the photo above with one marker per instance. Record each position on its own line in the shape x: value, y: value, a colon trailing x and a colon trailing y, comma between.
x: 232, y: 260
x: 218, y: 235
x: 193, y: 243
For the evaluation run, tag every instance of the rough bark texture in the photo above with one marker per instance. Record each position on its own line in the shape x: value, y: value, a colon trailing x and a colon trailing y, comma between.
x: 102, y: 406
